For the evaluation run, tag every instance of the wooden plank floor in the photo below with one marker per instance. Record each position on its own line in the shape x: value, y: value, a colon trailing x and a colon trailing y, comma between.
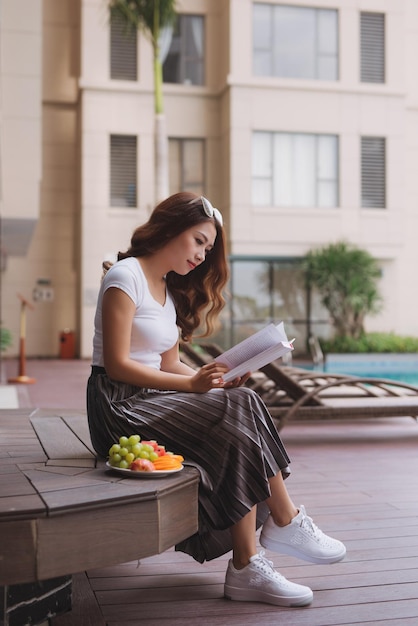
x: 360, y: 483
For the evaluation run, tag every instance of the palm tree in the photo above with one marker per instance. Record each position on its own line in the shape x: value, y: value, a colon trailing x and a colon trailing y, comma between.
x: 346, y: 279
x: 151, y: 16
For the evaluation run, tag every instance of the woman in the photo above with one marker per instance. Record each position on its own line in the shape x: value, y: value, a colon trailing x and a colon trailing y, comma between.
x: 171, y: 279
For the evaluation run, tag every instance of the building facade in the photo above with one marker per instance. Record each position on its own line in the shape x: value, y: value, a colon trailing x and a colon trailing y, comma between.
x: 298, y: 120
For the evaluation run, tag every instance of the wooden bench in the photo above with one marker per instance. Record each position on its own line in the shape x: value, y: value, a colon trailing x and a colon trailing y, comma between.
x: 62, y: 511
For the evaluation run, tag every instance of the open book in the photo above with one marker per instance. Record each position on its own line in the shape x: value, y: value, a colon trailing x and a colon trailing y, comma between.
x: 262, y: 348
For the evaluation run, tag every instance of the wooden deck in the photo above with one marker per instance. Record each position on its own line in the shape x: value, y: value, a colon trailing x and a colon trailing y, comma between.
x: 359, y: 482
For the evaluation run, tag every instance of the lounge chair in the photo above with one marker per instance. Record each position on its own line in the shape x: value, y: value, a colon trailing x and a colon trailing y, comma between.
x: 293, y: 393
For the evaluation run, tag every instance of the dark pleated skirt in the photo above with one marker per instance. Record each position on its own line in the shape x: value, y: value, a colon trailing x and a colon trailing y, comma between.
x: 227, y: 434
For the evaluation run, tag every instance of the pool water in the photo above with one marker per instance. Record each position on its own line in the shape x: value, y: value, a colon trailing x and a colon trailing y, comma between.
x: 398, y: 367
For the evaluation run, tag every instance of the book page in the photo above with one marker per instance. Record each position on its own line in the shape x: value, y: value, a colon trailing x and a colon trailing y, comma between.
x: 259, y: 360
x: 256, y: 351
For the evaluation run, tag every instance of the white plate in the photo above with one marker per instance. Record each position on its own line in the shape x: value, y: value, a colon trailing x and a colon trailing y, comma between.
x: 134, y: 474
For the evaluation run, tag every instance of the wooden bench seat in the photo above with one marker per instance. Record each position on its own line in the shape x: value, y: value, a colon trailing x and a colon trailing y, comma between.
x: 62, y: 511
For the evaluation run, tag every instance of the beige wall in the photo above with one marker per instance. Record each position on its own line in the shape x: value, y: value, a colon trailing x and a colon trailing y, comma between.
x: 51, y: 153
x: 21, y: 153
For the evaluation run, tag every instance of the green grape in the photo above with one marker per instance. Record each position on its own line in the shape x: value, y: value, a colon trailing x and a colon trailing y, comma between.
x: 123, y: 441
x: 147, y: 447
x: 144, y: 454
x: 124, y: 464
x: 115, y: 448
x: 123, y: 451
x: 133, y: 439
x: 136, y: 449
x: 115, y: 458
x: 129, y: 457
x: 153, y: 456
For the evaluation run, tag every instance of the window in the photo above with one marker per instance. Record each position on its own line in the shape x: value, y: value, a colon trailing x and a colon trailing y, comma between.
x: 123, y: 51
x: 295, y: 42
x: 184, y: 61
x: 264, y: 290
x: 187, y: 165
x: 123, y: 168
x: 372, y: 47
x: 294, y: 169
x: 271, y: 289
x: 373, y: 172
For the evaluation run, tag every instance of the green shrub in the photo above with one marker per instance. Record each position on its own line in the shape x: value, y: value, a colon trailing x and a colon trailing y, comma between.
x: 5, y: 338
x: 370, y: 342
x: 346, y: 279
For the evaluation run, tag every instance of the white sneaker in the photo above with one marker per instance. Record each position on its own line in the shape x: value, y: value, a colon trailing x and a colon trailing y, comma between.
x: 259, y: 582
x: 302, y: 539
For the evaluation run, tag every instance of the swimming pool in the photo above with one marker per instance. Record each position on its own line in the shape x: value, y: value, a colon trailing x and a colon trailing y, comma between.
x: 401, y: 367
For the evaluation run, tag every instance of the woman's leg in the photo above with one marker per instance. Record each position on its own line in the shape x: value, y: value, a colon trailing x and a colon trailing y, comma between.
x: 243, y: 532
x: 280, y: 503
x: 244, y: 539
x: 251, y: 577
x: 289, y: 530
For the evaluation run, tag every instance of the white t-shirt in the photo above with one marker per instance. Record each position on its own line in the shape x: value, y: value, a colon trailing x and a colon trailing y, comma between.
x: 154, y: 328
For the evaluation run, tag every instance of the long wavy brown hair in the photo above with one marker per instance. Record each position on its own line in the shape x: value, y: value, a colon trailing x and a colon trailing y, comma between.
x: 198, y: 294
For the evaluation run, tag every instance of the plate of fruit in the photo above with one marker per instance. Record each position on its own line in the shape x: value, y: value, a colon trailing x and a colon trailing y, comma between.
x: 142, y: 459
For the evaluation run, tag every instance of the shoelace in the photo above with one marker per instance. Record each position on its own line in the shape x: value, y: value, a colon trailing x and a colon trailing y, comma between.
x: 265, y: 564
x: 267, y: 567
x: 308, y: 524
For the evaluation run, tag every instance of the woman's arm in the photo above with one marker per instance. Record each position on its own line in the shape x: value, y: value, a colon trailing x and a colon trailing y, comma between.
x: 117, y: 317
x: 170, y: 362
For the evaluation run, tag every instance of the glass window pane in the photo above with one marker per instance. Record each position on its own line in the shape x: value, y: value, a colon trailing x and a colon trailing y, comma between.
x: 261, y: 193
x: 193, y: 73
x: 193, y: 35
x: 261, y: 154
x: 283, y: 170
x: 327, y: 65
x: 295, y: 36
x: 262, y: 26
x: 327, y: 68
x: 267, y: 290
x: 304, y: 167
x: 327, y: 156
x: 193, y: 49
x: 262, y: 63
x: 295, y: 42
x: 185, y: 58
x: 327, y: 31
x: 300, y: 163
x: 251, y: 302
x: 289, y: 296
x: 193, y: 165
x: 171, y: 65
x: 327, y: 194
x: 262, y: 40
x: 261, y: 169
x: 187, y: 171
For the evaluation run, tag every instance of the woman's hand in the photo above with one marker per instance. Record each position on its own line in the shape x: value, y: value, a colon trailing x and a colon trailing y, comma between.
x: 208, y: 377
x: 238, y: 382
